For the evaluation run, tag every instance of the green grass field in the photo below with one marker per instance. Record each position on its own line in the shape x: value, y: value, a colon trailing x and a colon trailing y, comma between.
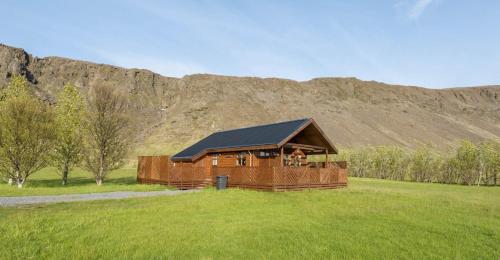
x: 48, y: 182
x: 373, y: 219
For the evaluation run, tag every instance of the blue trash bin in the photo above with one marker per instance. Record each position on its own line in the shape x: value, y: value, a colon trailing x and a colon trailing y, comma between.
x: 221, y: 182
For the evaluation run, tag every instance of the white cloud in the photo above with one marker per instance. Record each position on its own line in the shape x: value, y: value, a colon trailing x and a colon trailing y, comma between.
x: 418, y: 8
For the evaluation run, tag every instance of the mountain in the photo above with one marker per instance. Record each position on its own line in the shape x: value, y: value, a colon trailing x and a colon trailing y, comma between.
x: 170, y: 113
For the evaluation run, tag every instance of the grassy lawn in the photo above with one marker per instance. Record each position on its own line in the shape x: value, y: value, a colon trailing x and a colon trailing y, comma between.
x: 373, y: 219
x: 48, y: 182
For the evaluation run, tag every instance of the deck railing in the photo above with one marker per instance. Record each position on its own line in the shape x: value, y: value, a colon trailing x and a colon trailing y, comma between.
x: 159, y: 169
x: 282, y: 178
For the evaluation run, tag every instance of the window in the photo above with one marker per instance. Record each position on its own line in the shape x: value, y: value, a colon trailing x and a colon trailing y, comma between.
x: 241, y: 160
x: 287, y: 160
x: 215, y: 160
x: 266, y: 154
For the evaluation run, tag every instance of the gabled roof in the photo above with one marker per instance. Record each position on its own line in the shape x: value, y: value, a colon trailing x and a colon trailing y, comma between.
x: 255, y: 137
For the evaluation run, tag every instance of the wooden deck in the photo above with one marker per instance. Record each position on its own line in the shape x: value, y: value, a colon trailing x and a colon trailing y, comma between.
x: 160, y: 170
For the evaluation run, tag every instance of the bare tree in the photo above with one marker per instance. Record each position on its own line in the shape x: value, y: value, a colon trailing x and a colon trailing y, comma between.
x: 106, y: 124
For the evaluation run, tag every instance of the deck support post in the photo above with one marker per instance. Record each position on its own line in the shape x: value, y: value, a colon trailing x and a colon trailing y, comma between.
x: 281, y: 156
x: 251, y: 158
x: 326, y: 158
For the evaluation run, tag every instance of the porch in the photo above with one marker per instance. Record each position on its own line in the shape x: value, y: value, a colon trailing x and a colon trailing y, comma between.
x: 283, y: 178
x: 161, y: 170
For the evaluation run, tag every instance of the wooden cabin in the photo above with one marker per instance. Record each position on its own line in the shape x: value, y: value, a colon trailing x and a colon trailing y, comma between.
x: 272, y: 157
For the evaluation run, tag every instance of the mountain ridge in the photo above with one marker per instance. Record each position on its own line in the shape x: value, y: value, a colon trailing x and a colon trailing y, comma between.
x: 169, y: 113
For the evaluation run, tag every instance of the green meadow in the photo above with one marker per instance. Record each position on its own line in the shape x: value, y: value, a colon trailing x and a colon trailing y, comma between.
x: 374, y: 219
x: 48, y: 182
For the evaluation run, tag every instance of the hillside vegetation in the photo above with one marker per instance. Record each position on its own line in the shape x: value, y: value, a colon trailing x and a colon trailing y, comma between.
x: 170, y: 113
x: 372, y: 219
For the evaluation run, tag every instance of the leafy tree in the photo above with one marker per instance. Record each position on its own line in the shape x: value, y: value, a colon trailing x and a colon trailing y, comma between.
x: 26, y: 132
x: 425, y: 164
x: 467, y: 162
x: 489, y: 162
x: 106, y: 124
x: 68, y: 145
x: 447, y: 172
x: 359, y: 162
x: 389, y: 162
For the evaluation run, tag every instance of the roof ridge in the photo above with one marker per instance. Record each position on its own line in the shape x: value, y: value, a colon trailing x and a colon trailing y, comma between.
x: 253, y: 126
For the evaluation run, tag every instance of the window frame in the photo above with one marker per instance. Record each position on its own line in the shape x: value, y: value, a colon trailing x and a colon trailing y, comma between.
x: 215, y: 158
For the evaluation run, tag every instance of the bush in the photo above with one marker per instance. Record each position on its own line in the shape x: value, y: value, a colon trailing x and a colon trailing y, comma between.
x: 468, y: 164
x: 489, y: 162
x: 425, y: 165
x: 359, y: 162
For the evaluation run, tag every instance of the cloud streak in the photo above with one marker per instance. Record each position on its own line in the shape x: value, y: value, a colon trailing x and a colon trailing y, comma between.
x: 418, y: 9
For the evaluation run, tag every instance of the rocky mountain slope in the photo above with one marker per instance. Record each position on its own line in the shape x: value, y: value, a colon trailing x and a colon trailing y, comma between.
x: 170, y: 113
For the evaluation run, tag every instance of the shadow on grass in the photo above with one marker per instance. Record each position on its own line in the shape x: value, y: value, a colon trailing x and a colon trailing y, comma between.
x: 78, y: 182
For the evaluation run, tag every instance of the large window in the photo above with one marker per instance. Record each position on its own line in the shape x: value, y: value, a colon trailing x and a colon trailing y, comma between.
x: 241, y: 160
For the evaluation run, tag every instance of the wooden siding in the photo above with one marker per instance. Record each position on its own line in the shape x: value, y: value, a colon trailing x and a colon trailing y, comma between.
x: 252, y: 160
x: 227, y: 160
x: 160, y: 169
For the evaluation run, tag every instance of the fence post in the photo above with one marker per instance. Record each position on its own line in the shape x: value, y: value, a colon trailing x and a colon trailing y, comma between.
x: 212, y: 174
x: 169, y: 166
x: 331, y: 178
x: 337, y: 175
x: 139, y: 168
x: 274, y: 178
x: 309, y: 181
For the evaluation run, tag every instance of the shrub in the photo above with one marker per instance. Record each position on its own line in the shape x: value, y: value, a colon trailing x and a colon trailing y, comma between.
x: 425, y: 164
x: 468, y: 164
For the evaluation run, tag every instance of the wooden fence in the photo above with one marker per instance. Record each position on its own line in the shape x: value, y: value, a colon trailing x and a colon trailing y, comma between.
x: 159, y: 169
x: 282, y: 178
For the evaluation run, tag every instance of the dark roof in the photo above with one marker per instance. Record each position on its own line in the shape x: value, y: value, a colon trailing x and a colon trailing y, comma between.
x: 271, y: 134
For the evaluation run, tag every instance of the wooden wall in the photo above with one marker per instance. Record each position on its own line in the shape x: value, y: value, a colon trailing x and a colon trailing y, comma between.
x: 226, y: 160
x: 204, y: 162
x: 230, y: 160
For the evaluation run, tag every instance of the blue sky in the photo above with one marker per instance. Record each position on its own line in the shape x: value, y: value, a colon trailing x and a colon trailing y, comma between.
x: 431, y: 43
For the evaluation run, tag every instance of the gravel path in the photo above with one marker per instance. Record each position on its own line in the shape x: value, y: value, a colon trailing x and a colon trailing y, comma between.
x: 13, y: 201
